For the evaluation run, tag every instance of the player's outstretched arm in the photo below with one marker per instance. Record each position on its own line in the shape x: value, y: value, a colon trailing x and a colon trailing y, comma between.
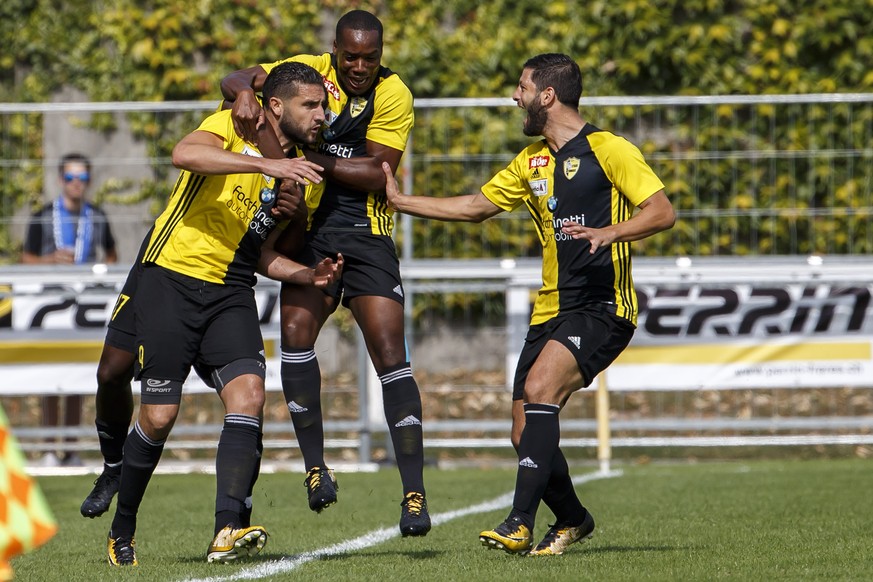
x: 362, y: 173
x: 465, y: 208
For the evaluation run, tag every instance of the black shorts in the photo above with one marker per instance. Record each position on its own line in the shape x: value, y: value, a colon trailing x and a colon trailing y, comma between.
x: 371, y: 266
x: 182, y: 321
x: 601, y: 337
x: 121, y: 331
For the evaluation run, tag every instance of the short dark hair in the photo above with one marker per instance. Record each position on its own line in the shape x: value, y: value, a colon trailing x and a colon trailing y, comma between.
x: 285, y: 79
x: 359, y: 20
x: 559, y: 72
x: 74, y: 158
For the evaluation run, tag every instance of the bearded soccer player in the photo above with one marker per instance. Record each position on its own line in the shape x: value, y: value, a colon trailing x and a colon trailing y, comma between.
x: 114, y: 397
x: 368, y: 121
x: 194, y: 304
x: 580, y: 185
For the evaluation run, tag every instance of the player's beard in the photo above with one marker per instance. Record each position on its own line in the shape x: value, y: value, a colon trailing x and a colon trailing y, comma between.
x: 535, y: 122
x: 295, y: 132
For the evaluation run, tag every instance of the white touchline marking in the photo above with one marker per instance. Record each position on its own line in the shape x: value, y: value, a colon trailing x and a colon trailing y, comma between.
x: 375, y: 537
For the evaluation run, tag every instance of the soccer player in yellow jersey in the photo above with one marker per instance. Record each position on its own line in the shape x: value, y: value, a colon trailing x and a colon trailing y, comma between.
x: 369, y: 118
x: 114, y: 397
x: 580, y: 185
x: 194, y: 305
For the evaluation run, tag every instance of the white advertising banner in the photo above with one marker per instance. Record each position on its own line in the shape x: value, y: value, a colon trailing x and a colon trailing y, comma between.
x: 53, y: 321
x: 713, y: 323
x: 751, y: 324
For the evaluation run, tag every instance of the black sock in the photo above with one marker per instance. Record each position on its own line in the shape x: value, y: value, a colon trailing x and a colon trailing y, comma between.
x: 301, y: 384
x: 114, y: 408
x: 402, y: 403
x: 141, y: 456
x: 560, y: 495
x: 112, y: 437
x: 235, y: 464
x: 539, y: 441
x: 245, y: 515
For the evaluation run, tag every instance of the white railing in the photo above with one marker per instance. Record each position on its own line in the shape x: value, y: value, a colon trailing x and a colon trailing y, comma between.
x: 818, y: 313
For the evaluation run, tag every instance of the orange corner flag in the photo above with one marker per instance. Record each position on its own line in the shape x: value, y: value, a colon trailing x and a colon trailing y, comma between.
x: 25, y: 518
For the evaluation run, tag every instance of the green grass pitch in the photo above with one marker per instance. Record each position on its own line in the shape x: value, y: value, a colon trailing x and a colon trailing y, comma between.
x: 768, y: 520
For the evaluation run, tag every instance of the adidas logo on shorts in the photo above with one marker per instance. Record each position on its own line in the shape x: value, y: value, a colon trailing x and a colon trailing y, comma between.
x: 294, y: 407
x: 527, y: 462
x: 577, y: 341
x: 398, y: 290
x: 408, y: 421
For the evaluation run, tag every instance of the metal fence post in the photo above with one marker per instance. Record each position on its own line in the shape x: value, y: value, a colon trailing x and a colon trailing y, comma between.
x: 604, y: 447
x: 517, y: 321
x: 365, y: 431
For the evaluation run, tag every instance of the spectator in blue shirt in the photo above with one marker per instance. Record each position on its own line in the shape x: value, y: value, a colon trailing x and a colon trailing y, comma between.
x: 69, y: 230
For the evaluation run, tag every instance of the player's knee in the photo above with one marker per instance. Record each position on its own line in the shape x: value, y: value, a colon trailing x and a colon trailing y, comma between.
x: 299, y: 327
x: 249, y: 402
x: 115, y: 369
x: 242, y: 386
x: 540, y: 392
x: 113, y: 378
x: 388, y: 355
x: 549, y: 393
x: 296, y: 334
x: 256, y: 398
x: 157, y: 420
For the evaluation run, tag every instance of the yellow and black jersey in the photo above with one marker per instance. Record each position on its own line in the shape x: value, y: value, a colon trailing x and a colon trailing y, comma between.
x: 213, y: 226
x: 596, y: 179
x: 384, y: 116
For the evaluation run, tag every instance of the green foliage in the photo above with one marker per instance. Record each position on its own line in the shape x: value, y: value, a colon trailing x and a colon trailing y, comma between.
x: 166, y: 50
x: 665, y: 47
x: 172, y: 50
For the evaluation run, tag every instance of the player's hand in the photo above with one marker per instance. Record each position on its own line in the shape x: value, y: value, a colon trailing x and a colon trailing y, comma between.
x: 289, y: 201
x: 392, y: 192
x: 327, y: 271
x: 598, y: 237
x: 298, y: 170
x: 247, y: 116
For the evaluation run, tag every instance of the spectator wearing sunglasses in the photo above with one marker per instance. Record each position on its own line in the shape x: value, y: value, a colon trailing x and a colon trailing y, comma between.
x: 68, y: 230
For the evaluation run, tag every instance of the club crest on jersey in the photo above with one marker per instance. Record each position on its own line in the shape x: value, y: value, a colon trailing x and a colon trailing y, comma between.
x: 356, y: 106
x: 571, y: 166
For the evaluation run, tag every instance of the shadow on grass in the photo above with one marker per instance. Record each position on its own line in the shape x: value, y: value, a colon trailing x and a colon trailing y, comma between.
x: 265, y: 557
x: 411, y: 554
x: 623, y: 549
